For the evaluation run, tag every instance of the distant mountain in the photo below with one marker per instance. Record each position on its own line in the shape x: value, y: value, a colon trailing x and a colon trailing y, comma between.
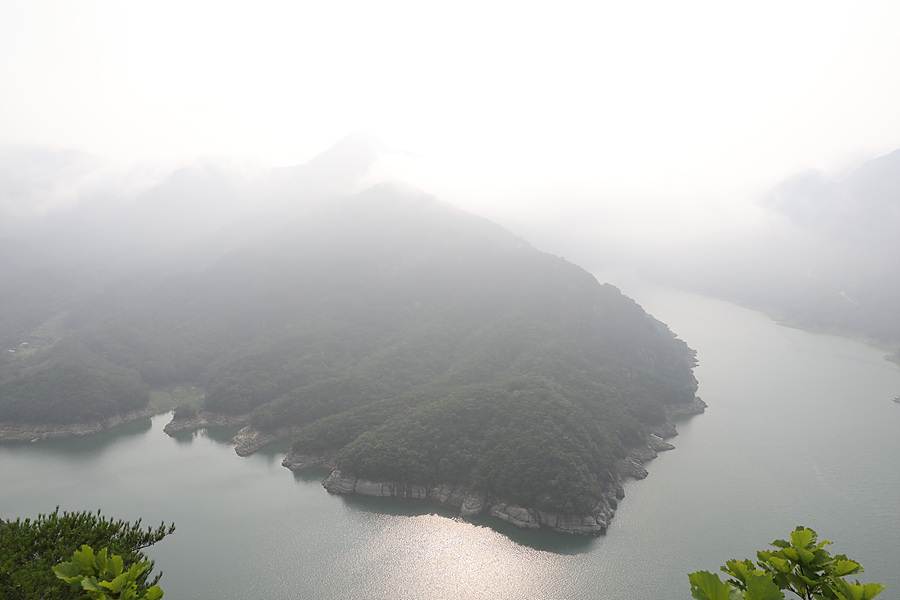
x: 411, y: 342
x: 859, y: 212
x: 833, y: 266
x: 97, y: 228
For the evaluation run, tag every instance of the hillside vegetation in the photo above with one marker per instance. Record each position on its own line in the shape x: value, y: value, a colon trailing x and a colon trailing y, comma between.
x: 422, y: 343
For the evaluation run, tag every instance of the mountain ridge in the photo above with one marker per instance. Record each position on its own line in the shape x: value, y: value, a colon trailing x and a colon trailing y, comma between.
x: 416, y: 342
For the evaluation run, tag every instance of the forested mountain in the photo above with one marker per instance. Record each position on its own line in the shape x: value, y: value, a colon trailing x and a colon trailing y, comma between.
x: 406, y: 339
x: 416, y: 341
x: 102, y: 227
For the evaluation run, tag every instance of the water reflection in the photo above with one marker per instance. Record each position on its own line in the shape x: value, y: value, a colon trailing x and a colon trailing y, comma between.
x: 398, y: 507
x: 220, y: 435
x: 543, y: 540
x: 80, y: 446
x: 726, y: 492
x: 276, y: 450
x: 548, y: 541
x: 431, y: 556
x: 308, y: 475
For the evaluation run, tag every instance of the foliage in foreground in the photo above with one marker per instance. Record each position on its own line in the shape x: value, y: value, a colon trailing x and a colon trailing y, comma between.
x: 800, y: 566
x: 104, y: 577
x: 29, y: 549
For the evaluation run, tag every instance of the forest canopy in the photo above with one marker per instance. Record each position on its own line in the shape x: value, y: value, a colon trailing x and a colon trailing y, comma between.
x: 418, y: 341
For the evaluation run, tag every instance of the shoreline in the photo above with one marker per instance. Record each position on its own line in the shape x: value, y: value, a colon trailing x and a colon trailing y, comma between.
x: 203, y: 420
x: 473, y: 504
x: 35, y: 432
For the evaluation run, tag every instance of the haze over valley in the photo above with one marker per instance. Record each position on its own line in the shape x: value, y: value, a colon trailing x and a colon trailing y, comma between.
x: 478, y: 261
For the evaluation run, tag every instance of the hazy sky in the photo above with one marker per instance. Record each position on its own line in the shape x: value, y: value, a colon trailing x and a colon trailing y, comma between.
x: 596, y: 108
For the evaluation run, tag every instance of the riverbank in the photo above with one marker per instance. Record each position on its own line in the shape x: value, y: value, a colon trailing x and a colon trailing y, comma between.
x: 204, y: 419
x: 34, y: 432
x: 472, y: 503
x: 246, y: 441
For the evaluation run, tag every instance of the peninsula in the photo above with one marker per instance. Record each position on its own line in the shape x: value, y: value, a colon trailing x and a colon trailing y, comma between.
x: 419, y: 350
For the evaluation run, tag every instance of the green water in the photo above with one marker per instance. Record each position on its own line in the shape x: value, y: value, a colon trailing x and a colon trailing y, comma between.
x: 800, y: 430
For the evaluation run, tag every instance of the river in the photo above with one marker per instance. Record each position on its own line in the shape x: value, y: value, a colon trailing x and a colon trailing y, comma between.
x: 800, y: 429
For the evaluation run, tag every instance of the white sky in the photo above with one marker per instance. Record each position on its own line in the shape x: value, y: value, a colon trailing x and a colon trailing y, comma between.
x: 601, y: 109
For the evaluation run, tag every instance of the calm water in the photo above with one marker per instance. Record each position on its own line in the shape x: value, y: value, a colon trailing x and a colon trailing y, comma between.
x: 800, y: 430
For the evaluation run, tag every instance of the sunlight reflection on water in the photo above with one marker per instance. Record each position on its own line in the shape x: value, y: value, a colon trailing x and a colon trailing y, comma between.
x: 800, y: 429
x: 448, y: 558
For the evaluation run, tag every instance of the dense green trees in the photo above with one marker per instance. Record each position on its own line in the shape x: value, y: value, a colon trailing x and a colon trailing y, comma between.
x: 30, y: 548
x: 71, y: 387
x: 520, y: 441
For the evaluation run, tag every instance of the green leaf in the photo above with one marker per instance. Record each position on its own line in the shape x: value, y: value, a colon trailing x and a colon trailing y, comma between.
x: 802, y: 537
x: 805, y: 556
x: 780, y: 564
x: 870, y: 590
x: 762, y: 587
x: 100, y: 562
x: 850, y: 591
x: 154, y: 593
x: 67, y: 571
x: 135, y: 570
x: 92, y: 585
x: 118, y: 583
x: 84, y: 560
x: 791, y: 554
x: 823, y: 557
x: 740, y: 570
x: 845, y: 567
x: 116, y: 565
x: 707, y: 586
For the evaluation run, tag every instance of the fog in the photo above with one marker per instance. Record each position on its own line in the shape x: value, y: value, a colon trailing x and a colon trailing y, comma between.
x: 694, y: 142
x: 251, y: 209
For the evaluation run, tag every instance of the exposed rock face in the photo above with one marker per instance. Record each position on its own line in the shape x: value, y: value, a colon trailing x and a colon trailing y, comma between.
x: 33, y: 432
x: 658, y: 444
x: 694, y: 407
x: 249, y: 439
x: 472, y: 503
x: 298, y: 462
x: 205, y: 419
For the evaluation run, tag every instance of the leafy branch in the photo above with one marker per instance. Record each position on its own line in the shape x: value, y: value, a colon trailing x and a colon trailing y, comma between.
x: 104, y: 577
x: 801, y: 566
